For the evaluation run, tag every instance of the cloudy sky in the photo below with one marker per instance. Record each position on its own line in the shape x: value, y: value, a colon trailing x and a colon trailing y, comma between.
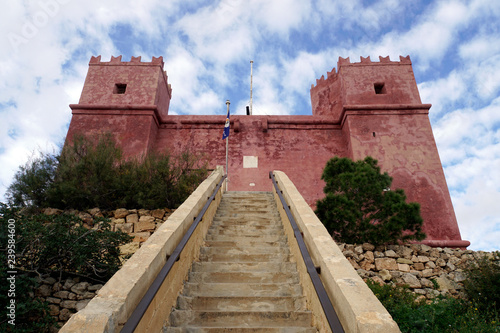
x: 45, y: 47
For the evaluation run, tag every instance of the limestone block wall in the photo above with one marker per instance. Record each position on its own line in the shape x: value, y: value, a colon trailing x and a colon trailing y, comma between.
x: 428, y: 272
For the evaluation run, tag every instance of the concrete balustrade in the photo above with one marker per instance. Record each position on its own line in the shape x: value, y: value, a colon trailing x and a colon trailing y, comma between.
x: 118, y: 298
x: 357, y: 307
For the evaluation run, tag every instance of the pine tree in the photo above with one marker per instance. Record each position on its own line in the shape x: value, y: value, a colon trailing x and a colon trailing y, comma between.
x: 360, y: 207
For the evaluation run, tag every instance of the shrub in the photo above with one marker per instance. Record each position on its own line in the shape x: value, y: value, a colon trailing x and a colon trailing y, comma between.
x: 32, y: 181
x: 90, y: 172
x: 440, y: 315
x: 482, y: 285
x: 359, y: 206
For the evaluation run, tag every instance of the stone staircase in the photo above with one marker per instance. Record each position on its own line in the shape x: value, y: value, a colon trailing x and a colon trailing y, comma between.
x: 245, y: 280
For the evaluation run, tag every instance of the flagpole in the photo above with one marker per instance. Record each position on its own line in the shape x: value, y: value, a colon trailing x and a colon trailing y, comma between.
x: 227, y: 150
x: 251, y: 79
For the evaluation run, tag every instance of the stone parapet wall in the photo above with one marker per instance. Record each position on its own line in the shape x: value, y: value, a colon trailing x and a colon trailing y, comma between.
x: 428, y: 271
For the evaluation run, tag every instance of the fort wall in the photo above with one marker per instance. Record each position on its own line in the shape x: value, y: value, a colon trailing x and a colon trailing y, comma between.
x: 361, y: 109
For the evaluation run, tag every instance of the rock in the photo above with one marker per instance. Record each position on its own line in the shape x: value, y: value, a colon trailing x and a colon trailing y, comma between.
x: 80, y: 288
x: 140, y: 236
x: 44, y: 290
x: 120, y: 213
x: 404, y: 267
x: 129, y: 248
x: 53, y: 300
x: 385, y: 275
x: 117, y: 221
x: 94, y: 287
x: 49, y: 280
x: 62, y: 294
x: 459, y: 276
x: 404, y: 261
x: 369, y: 256
x: 444, y: 283
x: 423, y: 259
x: 426, y: 283
x: 450, y: 266
x: 95, y: 212
x: 430, y: 264
x: 53, y: 310
x: 158, y: 213
x: 143, y: 212
x: 81, y: 304
x: 51, y: 211
x: 391, y: 254
x: 386, y: 263
x: 419, y: 266
x: 440, y: 262
x: 68, y: 304
x: 378, y: 254
x: 411, y: 280
x: 405, y: 252
x: 56, y: 287
x: 132, y: 218
x: 358, y: 250
x: 378, y: 280
x: 368, y: 247
x: 425, y: 248
x: 86, y: 217
x: 64, y: 315
x: 144, y: 225
x: 125, y: 227
x: 427, y: 273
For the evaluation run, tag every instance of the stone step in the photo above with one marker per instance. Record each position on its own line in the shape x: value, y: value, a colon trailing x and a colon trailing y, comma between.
x: 245, y: 242
x: 241, y: 289
x: 282, y: 267
x: 250, y: 303
x: 241, y: 319
x: 243, y: 277
x: 246, y: 222
x: 243, y: 232
x: 243, y: 251
x: 244, y: 257
x: 246, y: 238
x: 288, y: 329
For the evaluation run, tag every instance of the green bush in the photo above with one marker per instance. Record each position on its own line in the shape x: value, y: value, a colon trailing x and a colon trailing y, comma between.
x: 32, y: 181
x: 482, y: 285
x: 440, y: 315
x: 360, y: 207
x: 91, y: 172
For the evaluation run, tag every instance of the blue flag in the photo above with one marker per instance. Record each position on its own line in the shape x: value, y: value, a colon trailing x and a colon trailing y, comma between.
x: 225, y: 134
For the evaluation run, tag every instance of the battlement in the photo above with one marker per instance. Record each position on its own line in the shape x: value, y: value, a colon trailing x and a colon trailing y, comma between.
x: 134, y: 61
x: 364, y: 61
x: 367, y: 82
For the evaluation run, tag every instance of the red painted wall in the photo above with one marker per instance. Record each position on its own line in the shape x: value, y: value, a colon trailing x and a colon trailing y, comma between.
x: 367, y: 108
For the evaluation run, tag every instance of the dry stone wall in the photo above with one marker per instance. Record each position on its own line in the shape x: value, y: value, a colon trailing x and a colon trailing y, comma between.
x: 428, y: 271
x: 68, y: 296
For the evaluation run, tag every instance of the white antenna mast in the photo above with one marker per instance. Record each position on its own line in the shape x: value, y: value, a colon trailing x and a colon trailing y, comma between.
x: 251, y: 79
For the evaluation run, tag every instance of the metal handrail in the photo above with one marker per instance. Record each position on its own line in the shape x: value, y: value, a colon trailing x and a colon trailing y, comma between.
x: 146, y: 300
x: 326, y: 304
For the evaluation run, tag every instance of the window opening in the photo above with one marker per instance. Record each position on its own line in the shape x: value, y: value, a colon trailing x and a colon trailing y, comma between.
x: 379, y: 88
x: 119, y: 88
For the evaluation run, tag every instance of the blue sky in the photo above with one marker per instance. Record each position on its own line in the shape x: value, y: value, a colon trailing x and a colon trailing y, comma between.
x: 45, y: 47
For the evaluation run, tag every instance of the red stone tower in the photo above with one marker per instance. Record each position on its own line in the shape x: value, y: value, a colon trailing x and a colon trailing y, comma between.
x: 379, y: 108
x: 128, y: 99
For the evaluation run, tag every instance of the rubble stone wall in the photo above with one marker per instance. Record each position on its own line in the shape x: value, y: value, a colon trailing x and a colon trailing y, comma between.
x: 427, y: 271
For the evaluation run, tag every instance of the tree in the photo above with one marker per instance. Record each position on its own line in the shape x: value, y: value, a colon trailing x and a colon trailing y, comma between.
x: 32, y: 181
x: 360, y: 207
